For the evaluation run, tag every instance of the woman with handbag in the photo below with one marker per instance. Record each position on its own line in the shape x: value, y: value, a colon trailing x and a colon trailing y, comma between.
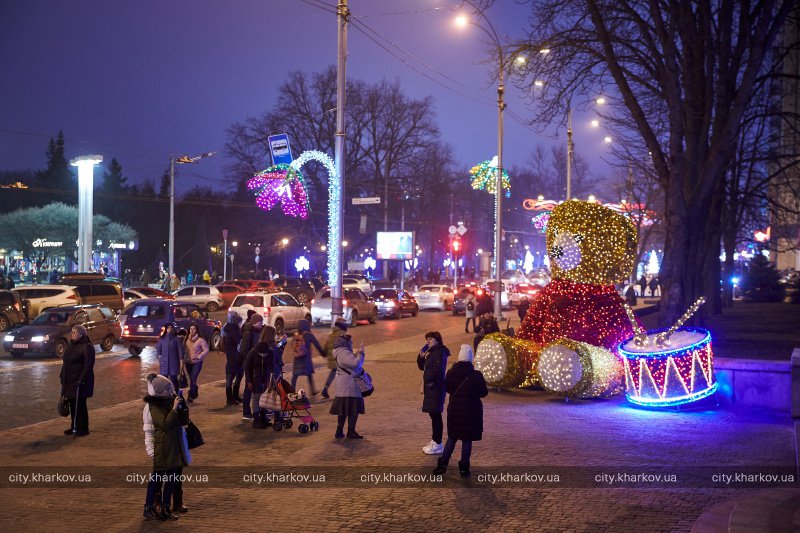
x: 303, y: 365
x: 170, y: 353
x: 195, y: 350
x: 466, y: 387
x: 470, y: 303
x: 349, y: 402
x: 77, y: 379
x: 259, y: 370
x: 163, y: 417
x: 433, y: 363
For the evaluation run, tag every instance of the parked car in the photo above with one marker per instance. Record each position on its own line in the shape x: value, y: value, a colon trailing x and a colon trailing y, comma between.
x: 228, y: 293
x: 204, y: 296
x: 520, y: 290
x: 12, y: 312
x: 459, y: 305
x: 43, y: 297
x: 94, y: 289
x: 280, y: 310
x: 131, y: 295
x: 150, y: 292
x: 357, y: 282
x: 395, y: 303
x: 435, y: 297
x: 539, y: 277
x: 356, y: 306
x: 242, y: 284
x: 301, y: 288
x: 146, y: 318
x: 49, y: 332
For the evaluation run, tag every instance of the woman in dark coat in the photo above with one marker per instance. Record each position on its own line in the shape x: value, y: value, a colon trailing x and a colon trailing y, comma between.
x: 259, y: 366
x: 466, y: 387
x: 231, y: 337
x: 77, y: 379
x: 170, y: 354
x: 433, y: 363
x: 303, y: 365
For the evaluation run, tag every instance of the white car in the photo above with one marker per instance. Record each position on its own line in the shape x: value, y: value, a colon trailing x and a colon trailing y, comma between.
x: 204, y: 296
x: 43, y: 297
x: 131, y: 295
x: 435, y: 297
x: 356, y: 306
x: 357, y: 282
x: 280, y: 309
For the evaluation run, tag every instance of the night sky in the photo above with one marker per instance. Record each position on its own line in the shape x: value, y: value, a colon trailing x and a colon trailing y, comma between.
x: 140, y: 80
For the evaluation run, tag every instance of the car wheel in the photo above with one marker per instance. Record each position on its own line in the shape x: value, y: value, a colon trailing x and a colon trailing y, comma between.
x: 374, y: 318
x: 415, y: 312
x: 135, y: 350
x: 60, y: 348
x: 107, y: 343
x: 212, y: 307
x: 215, y: 341
x: 303, y: 298
x: 354, y: 319
x: 4, y: 323
x: 279, y: 331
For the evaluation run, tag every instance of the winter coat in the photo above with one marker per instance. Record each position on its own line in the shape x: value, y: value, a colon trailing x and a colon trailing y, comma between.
x: 471, y: 313
x: 466, y: 387
x: 78, y: 367
x: 259, y: 366
x: 433, y: 365
x: 170, y: 353
x: 345, y: 384
x: 250, y: 335
x: 304, y: 366
x: 195, y: 351
x: 164, y: 424
x: 231, y: 337
x: 332, y: 336
x: 488, y: 326
x: 522, y: 308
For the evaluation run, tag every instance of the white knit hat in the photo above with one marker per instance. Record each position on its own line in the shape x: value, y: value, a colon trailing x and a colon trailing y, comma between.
x: 466, y: 353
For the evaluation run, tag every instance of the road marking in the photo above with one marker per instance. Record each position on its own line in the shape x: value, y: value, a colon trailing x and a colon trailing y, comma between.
x: 36, y: 364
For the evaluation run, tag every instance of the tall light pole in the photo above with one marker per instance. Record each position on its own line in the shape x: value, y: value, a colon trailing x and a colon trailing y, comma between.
x: 501, y: 105
x: 570, y: 149
x: 284, y: 242
x: 85, y: 166
x: 182, y: 160
x: 233, y: 254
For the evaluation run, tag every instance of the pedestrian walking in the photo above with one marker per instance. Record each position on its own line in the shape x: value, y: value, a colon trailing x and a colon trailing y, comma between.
x: 522, y: 308
x: 77, y: 379
x: 169, y: 351
x: 433, y: 363
x: 470, y: 305
x: 231, y: 337
x: 466, y: 386
x: 642, y: 285
x: 259, y: 369
x: 348, y: 403
x: 487, y: 324
x: 303, y: 364
x: 250, y: 334
x: 163, y: 418
x: 195, y: 350
x: 653, y: 285
x: 144, y: 279
x: 339, y: 329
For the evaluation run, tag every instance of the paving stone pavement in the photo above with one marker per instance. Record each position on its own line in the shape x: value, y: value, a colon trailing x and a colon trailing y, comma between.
x: 524, y: 432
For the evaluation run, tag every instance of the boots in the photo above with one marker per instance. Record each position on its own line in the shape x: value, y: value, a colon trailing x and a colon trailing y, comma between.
x: 260, y: 420
x: 441, y: 467
x: 325, y: 393
x: 150, y: 513
x: 463, y: 469
x: 166, y: 514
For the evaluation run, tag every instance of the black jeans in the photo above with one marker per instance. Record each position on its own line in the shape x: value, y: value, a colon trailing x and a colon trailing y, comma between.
x: 233, y: 380
x: 79, y: 414
x: 438, y: 427
x: 157, y: 478
x: 466, y: 325
x: 351, y: 423
x: 450, y: 446
x: 330, y: 378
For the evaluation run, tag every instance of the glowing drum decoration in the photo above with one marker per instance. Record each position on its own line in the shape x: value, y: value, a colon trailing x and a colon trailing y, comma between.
x: 679, y: 372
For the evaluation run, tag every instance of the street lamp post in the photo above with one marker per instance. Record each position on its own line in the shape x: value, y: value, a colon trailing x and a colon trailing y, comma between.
x: 233, y: 254
x: 182, y: 160
x: 284, y: 242
x: 85, y: 166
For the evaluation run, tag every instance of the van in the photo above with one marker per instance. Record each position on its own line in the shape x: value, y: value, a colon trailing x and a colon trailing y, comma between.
x: 95, y: 289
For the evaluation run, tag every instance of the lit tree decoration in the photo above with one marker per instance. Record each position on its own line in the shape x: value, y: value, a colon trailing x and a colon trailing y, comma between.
x: 282, y: 184
x: 301, y: 264
x: 652, y: 265
x: 484, y: 177
x: 370, y: 263
x: 527, y: 265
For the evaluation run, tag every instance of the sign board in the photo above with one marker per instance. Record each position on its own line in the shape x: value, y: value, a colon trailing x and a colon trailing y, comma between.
x: 395, y: 245
x: 225, y: 234
x: 366, y: 201
x: 495, y: 286
x: 279, y: 148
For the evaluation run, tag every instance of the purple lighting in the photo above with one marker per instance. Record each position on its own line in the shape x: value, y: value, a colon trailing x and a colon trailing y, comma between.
x: 280, y: 184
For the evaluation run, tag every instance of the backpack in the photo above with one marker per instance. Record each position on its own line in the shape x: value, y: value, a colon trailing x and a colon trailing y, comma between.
x: 297, y: 347
x: 470, y: 305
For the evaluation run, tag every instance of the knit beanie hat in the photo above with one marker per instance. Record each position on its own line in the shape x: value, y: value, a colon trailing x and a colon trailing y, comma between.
x: 80, y: 329
x: 256, y: 319
x: 159, y: 386
x: 466, y: 353
x: 250, y: 312
x: 341, y: 324
x: 234, y: 317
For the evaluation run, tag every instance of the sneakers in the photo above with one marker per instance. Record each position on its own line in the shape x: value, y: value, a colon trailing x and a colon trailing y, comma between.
x: 324, y: 394
x: 247, y: 418
x: 433, y: 448
x: 354, y: 435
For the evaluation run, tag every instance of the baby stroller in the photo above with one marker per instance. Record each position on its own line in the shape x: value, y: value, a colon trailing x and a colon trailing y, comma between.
x: 293, y: 405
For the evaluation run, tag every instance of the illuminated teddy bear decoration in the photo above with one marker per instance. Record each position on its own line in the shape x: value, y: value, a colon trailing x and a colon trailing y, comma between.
x: 568, y: 339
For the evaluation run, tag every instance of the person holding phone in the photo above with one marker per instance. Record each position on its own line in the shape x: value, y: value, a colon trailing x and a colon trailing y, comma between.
x: 348, y: 403
x: 433, y: 363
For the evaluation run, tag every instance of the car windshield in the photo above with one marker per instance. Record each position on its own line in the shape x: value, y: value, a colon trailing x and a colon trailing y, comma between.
x: 144, y: 310
x: 255, y: 301
x: 384, y: 294
x: 53, y: 318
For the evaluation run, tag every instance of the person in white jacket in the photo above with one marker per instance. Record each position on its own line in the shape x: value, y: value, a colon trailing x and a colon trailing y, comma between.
x: 195, y: 350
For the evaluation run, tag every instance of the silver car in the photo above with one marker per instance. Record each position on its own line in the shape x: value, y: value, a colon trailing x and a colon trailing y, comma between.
x: 204, y: 296
x: 357, y: 306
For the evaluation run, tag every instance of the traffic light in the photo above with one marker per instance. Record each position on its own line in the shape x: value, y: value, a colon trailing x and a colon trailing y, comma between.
x: 456, y: 245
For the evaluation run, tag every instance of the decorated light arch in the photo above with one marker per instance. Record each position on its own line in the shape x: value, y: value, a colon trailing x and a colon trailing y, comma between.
x: 282, y: 184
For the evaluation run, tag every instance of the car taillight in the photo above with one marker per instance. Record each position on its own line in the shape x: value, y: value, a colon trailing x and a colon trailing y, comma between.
x: 480, y: 293
x: 71, y: 297
x: 267, y: 311
x: 312, y: 301
x: 17, y: 306
x: 344, y: 302
x: 125, y: 331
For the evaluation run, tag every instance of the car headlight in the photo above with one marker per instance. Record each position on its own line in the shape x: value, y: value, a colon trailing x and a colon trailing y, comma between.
x: 8, y: 338
x: 389, y: 304
x: 40, y: 338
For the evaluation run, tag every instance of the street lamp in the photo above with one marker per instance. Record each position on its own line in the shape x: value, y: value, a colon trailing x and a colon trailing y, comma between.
x: 284, y: 242
x: 182, y: 160
x: 233, y: 254
x: 85, y: 166
x: 462, y: 21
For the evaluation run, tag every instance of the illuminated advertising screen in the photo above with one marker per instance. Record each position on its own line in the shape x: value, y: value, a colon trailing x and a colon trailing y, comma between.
x: 395, y: 245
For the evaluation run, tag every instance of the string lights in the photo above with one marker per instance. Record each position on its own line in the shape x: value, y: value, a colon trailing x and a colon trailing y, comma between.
x: 484, y: 177
x: 507, y: 362
x: 580, y: 370
x: 282, y: 184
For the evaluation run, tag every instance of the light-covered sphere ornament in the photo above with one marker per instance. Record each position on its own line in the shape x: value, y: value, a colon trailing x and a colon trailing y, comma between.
x: 507, y: 362
x: 579, y: 370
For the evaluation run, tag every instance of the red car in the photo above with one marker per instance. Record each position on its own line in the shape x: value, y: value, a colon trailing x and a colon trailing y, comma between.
x: 229, y: 292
